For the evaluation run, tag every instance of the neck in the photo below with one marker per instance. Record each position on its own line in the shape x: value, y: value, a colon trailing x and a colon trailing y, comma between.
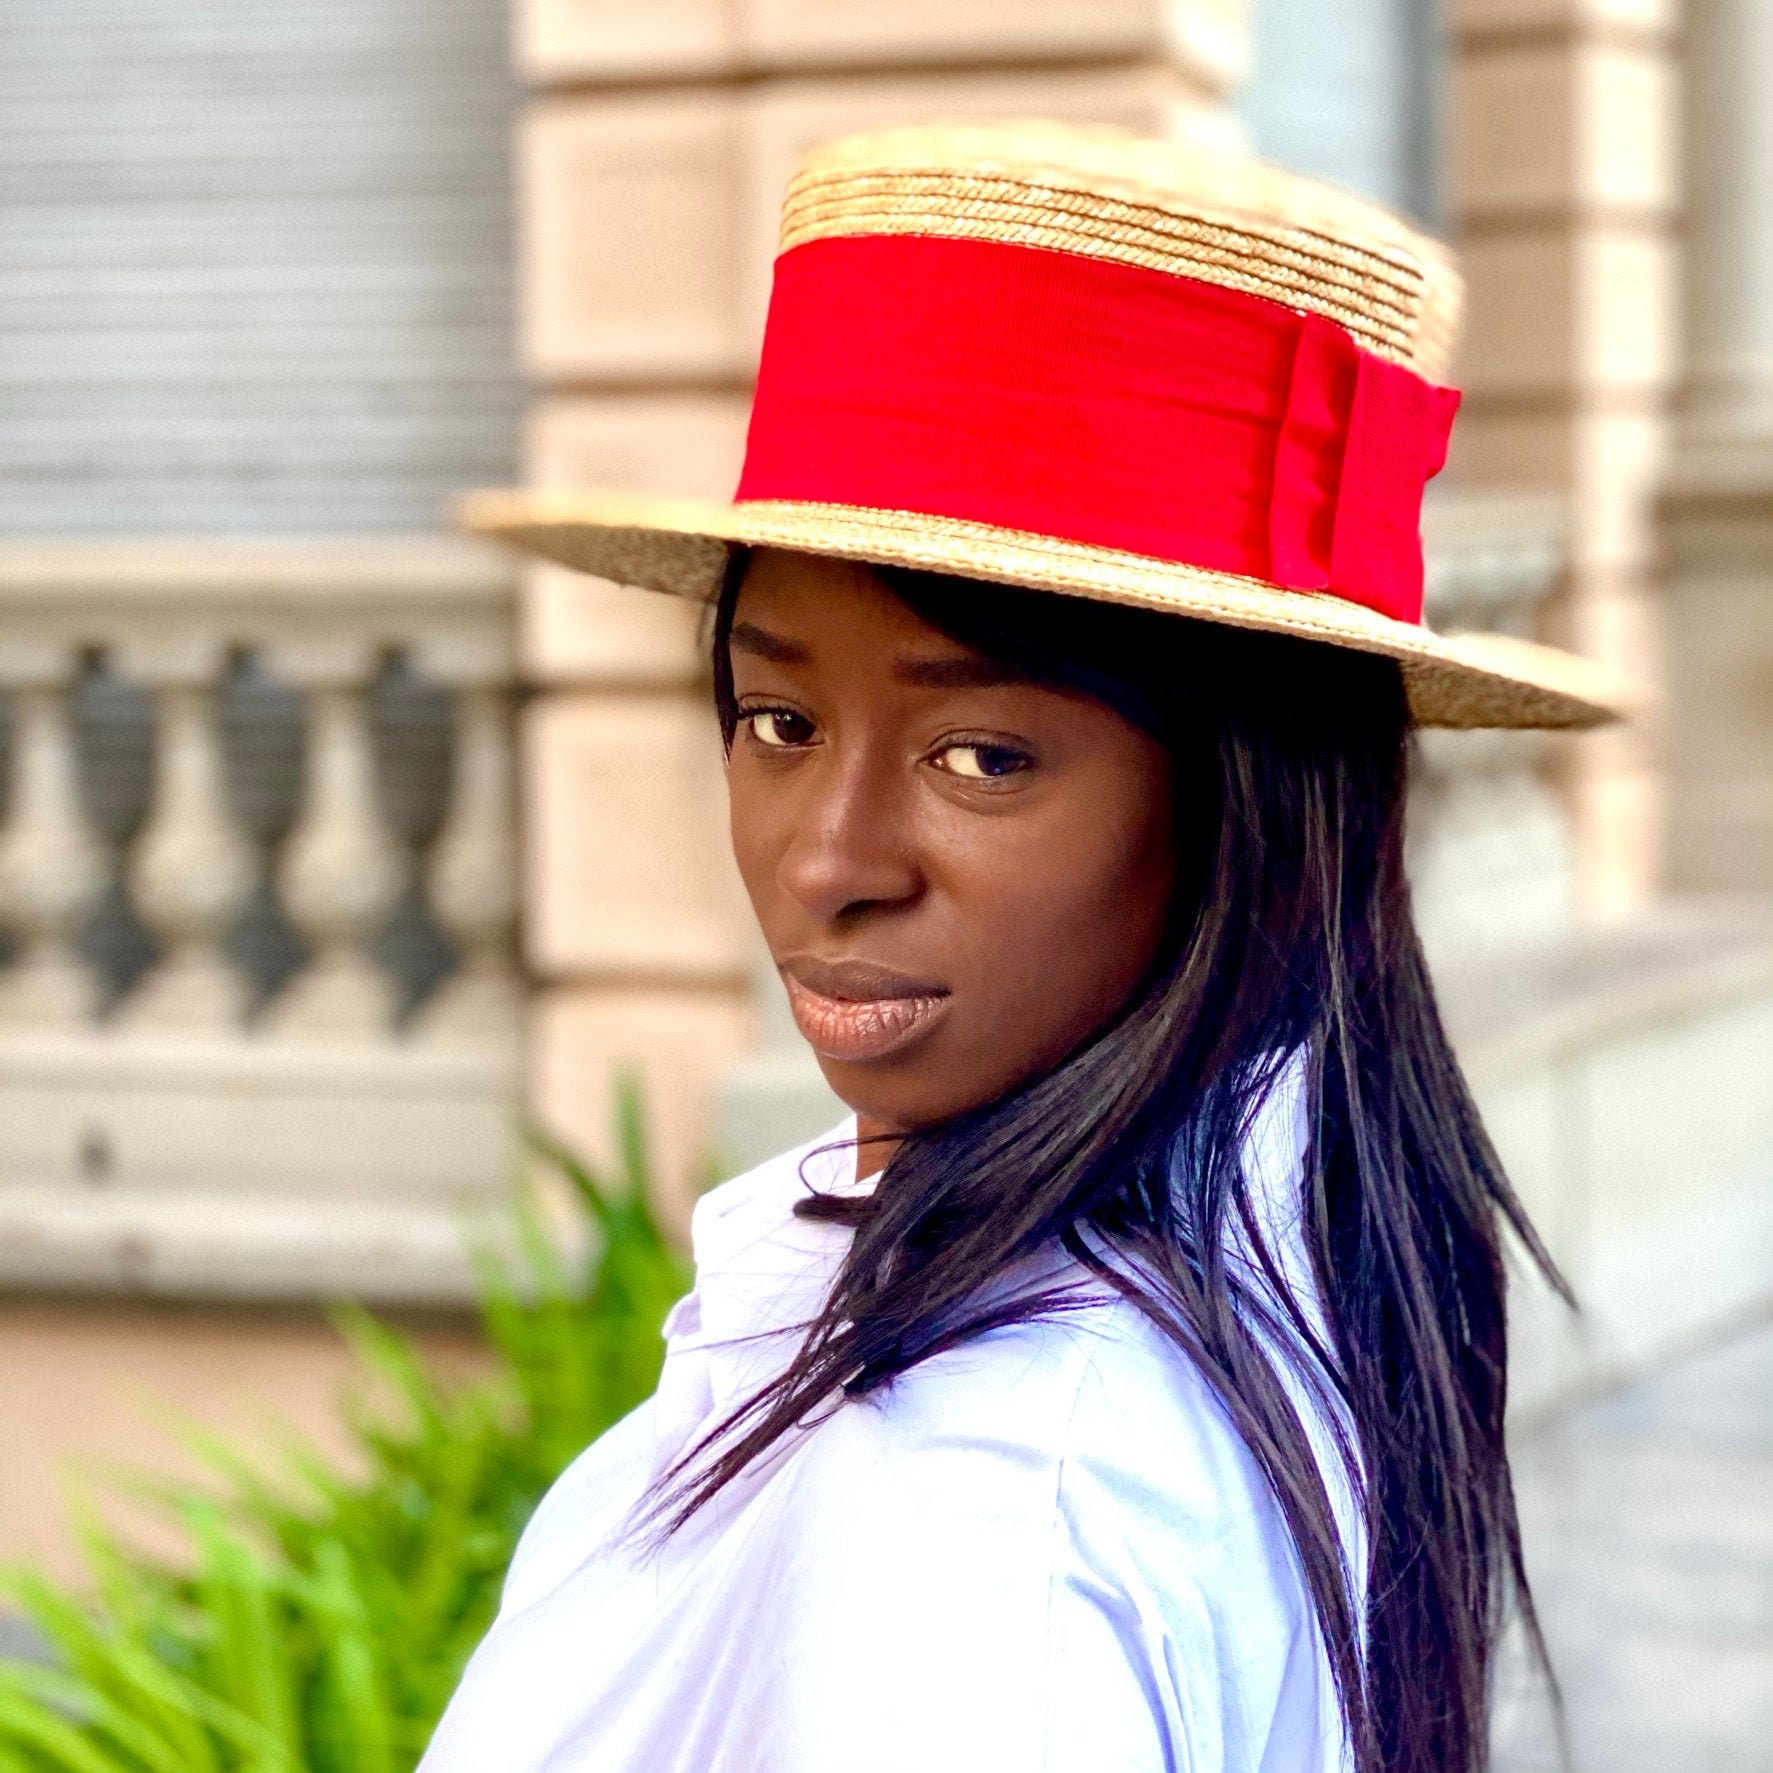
x: 875, y: 1145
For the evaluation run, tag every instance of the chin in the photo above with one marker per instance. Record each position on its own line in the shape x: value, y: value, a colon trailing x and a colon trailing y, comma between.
x: 900, y: 1099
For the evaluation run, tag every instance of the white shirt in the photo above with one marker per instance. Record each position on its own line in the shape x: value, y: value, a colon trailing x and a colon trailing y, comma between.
x: 1046, y: 1551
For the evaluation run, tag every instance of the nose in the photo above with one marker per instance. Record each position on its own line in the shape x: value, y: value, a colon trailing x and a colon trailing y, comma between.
x: 852, y: 849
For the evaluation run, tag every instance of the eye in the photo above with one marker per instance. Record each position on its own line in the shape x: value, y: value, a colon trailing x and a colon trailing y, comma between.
x: 981, y: 762
x: 778, y: 729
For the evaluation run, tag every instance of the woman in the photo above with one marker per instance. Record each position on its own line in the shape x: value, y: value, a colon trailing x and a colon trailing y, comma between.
x: 1124, y: 1387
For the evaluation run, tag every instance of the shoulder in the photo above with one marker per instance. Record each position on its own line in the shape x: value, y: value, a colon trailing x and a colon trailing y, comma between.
x: 1001, y: 1402
x: 1058, y: 1516
x: 910, y: 1533
x: 1088, y: 1419
x: 1150, y: 1425
x: 1075, y: 1465
x: 945, y: 1480
x: 1160, y: 1498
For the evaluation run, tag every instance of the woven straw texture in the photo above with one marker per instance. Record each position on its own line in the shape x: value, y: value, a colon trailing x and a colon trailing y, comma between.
x: 1103, y: 193
x: 682, y: 546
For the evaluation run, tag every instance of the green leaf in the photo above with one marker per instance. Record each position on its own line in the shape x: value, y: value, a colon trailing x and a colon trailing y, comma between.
x: 325, y: 1604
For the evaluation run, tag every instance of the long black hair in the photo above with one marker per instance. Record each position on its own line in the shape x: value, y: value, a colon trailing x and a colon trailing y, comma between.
x: 1291, y: 934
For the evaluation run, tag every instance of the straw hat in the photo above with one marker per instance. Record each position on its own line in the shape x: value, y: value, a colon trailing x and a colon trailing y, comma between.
x: 1084, y: 362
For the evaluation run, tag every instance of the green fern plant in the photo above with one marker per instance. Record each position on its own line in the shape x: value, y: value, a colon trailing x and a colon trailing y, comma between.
x: 324, y: 1612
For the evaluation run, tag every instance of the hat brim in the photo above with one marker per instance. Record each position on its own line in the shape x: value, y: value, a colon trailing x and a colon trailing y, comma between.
x: 682, y: 546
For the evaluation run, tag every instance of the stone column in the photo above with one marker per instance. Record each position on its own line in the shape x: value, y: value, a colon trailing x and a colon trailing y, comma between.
x: 1717, y: 512
x: 652, y: 160
x: 1728, y: 392
x: 1564, y: 201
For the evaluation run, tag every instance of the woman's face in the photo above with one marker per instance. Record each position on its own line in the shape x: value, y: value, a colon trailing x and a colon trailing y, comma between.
x: 960, y: 874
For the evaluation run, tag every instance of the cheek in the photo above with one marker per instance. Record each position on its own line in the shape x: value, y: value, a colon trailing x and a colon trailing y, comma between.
x: 1066, y: 916
x: 760, y: 824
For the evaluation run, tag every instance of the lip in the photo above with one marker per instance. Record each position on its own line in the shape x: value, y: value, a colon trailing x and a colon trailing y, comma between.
x: 855, y: 1010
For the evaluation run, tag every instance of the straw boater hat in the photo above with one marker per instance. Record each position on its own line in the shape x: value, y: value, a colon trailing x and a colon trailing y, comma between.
x: 1084, y: 362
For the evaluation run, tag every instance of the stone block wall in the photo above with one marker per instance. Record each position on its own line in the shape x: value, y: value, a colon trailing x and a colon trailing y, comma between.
x: 1717, y: 528
x: 653, y: 152
x: 1565, y: 195
x: 1718, y: 543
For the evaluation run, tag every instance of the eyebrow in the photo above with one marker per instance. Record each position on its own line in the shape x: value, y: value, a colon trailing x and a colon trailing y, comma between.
x: 971, y: 671
x: 967, y: 671
x: 760, y: 643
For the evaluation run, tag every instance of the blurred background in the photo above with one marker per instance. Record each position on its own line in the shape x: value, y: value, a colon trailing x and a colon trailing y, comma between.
x: 330, y: 841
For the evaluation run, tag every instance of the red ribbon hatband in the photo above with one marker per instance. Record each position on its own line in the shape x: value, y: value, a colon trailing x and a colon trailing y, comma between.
x: 1098, y: 403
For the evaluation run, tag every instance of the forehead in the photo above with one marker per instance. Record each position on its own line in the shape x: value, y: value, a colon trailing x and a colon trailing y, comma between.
x: 805, y: 609
x: 848, y: 621
x: 813, y: 599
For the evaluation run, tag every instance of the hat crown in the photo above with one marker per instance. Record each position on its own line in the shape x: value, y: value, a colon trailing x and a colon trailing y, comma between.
x: 1174, y: 207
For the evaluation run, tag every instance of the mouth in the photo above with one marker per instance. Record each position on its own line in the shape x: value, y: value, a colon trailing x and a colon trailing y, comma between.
x: 853, y: 1010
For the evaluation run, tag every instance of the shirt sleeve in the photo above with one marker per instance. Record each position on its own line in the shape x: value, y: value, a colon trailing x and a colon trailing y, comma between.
x: 1110, y: 1699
